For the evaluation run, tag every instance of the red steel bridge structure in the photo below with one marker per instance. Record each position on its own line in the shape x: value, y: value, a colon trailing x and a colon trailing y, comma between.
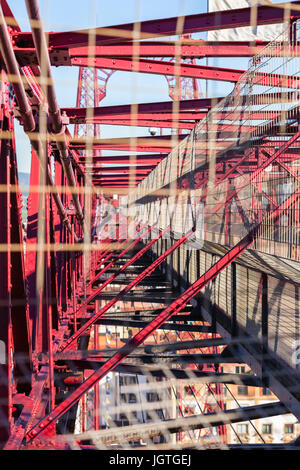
x: 193, y: 294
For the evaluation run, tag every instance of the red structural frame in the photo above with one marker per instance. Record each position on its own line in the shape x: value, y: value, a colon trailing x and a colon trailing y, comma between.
x: 55, y: 269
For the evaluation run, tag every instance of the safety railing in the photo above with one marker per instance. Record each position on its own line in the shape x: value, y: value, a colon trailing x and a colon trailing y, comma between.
x: 241, y: 161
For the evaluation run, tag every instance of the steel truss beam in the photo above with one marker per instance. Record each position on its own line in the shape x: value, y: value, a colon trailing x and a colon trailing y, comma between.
x: 265, y: 164
x: 247, y: 413
x: 186, y: 48
x: 168, y: 140
x: 149, y: 349
x: 212, y: 377
x: 142, y: 324
x: 147, y: 118
x: 131, y: 159
x: 121, y: 169
x: 146, y: 272
x: 186, y: 70
x: 192, y: 358
x: 206, y: 420
x: 130, y: 176
x: 166, y: 124
x: 128, y: 248
x: 79, y: 115
x: 130, y: 262
x: 189, y: 48
x: 105, y: 256
x: 172, y: 309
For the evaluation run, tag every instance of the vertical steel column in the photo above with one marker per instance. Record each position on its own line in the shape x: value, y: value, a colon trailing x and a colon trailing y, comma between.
x: 31, y: 242
x: 19, y: 307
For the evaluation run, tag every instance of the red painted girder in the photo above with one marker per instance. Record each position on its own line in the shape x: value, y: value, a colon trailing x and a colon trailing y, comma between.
x: 148, y: 147
x: 107, y: 255
x: 11, y: 21
x: 103, y: 171
x: 164, y: 27
x: 186, y: 70
x: 129, y: 246
x: 171, y: 124
x: 125, y: 148
x: 169, y: 116
x: 125, y: 175
x: 124, y: 169
x: 277, y: 143
x: 108, y: 281
x: 118, y: 178
x: 115, y: 174
x: 148, y: 144
x: 263, y: 166
x: 145, y: 123
x: 161, y: 68
x: 150, y: 116
x: 113, y: 186
x: 115, y: 178
x: 130, y: 286
x: 155, y: 107
x: 188, y: 48
x: 160, y: 108
x: 288, y: 169
x: 195, y: 48
x: 157, y: 322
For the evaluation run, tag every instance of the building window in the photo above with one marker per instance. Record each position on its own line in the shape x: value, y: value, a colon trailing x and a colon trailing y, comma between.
x: 132, y: 398
x: 240, y: 370
x: 131, y: 380
x: 152, y: 396
x: 267, y: 428
x: 242, y: 390
x: 242, y: 428
x: 289, y: 428
x: 128, y: 398
x: 266, y: 391
x: 123, y: 397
